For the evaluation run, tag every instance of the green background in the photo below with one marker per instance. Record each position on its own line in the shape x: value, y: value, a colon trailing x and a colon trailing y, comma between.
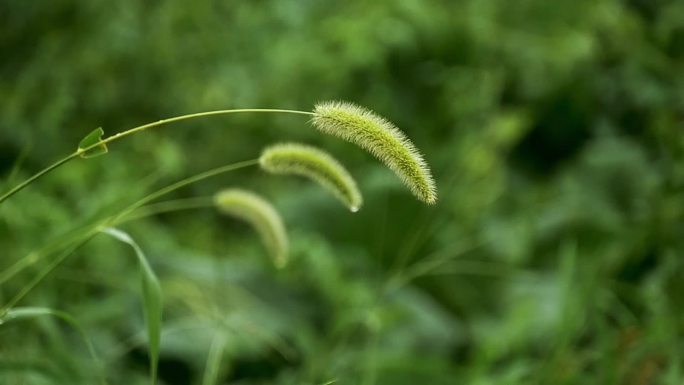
x: 555, y: 131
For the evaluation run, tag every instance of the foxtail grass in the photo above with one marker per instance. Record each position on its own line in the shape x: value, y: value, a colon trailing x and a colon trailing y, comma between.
x: 344, y: 120
x: 315, y: 164
x: 261, y: 215
x: 381, y: 138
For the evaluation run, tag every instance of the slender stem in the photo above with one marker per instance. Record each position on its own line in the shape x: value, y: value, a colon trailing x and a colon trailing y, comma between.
x: 134, y: 130
x: 37, y: 255
x: 30, y: 180
x: 44, y: 272
x: 168, y: 206
x: 182, y: 183
x: 190, y: 116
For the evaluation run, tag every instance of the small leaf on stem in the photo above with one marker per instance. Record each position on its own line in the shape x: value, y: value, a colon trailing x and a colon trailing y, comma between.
x: 90, y: 140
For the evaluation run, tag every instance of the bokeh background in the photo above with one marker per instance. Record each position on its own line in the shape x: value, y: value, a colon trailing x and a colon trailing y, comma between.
x: 555, y: 130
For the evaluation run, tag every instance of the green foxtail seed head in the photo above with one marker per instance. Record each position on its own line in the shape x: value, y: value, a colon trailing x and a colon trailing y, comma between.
x: 261, y: 215
x: 382, y: 139
x: 318, y: 165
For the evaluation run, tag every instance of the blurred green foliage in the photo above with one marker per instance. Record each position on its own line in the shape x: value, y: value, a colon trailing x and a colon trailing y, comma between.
x: 554, y: 129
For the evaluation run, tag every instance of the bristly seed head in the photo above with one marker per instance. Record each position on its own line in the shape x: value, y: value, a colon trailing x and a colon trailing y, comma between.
x: 313, y: 163
x: 261, y: 215
x: 382, y: 139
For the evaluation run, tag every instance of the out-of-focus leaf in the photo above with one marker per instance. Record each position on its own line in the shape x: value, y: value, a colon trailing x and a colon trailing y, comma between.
x: 151, y: 296
x: 211, y: 371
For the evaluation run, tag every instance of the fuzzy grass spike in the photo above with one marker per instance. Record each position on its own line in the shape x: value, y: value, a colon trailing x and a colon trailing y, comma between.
x: 315, y: 164
x: 261, y: 215
x: 382, y: 139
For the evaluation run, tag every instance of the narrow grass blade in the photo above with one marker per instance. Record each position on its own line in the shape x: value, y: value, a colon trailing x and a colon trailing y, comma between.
x: 151, y: 296
x: 213, y: 367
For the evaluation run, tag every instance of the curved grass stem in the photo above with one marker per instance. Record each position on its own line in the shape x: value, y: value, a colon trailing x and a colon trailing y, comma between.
x: 168, y: 207
x: 183, y: 183
x: 135, y: 130
x: 37, y: 175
